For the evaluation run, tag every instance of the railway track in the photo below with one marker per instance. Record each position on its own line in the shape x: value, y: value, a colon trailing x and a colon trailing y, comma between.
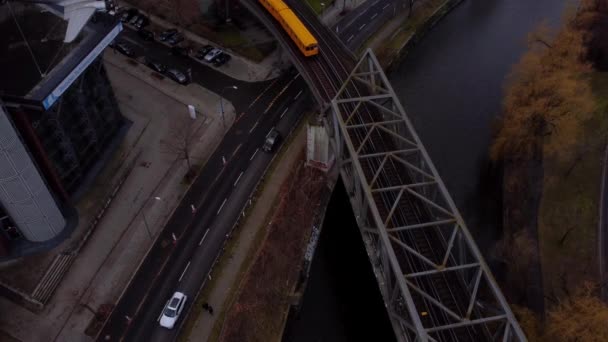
x: 331, y: 68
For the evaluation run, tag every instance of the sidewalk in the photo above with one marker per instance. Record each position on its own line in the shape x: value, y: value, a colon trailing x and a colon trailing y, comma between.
x: 228, y: 276
x: 111, y: 256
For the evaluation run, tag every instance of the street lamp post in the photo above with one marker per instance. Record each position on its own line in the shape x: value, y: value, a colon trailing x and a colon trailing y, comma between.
x: 228, y: 11
x: 222, y: 103
x: 143, y: 213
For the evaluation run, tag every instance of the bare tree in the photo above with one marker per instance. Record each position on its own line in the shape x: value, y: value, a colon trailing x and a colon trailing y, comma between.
x: 181, y: 139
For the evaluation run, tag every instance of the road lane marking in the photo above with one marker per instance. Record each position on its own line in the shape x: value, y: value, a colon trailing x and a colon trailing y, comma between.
x: 297, y: 95
x: 350, y: 38
x: 375, y: 15
x: 204, y: 236
x: 237, y: 179
x: 285, y: 111
x: 184, y: 272
x: 221, y: 206
x: 361, y: 27
x: 267, y: 134
x: 243, y: 113
x: 385, y: 6
x: 235, y: 151
x: 252, y: 128
x: 377, y: 1
x: 254, y: 153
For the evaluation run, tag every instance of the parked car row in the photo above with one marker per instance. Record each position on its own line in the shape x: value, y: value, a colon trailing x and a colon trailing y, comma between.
x: 134, y: 18
x: 173, y: 37
x: 173, y: 73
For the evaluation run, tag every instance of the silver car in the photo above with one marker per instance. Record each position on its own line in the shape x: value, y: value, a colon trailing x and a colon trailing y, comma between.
x: 212, y: 55
x: 177, y: 76
x: 172, y: 310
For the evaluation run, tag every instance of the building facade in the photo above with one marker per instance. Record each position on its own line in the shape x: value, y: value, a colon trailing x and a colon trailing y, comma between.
x: 59, y: 124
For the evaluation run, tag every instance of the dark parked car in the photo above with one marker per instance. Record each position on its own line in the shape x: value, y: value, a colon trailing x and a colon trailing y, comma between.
x: 127, y: 15
x: 156, y: 66
x: 141, y: 22
x: 177, y: 76
x: 146, y: 34
x: 166, y: 34
x: 202, y: 52
x: 272, y: 140
x: 124, y: 48
x: 221, y: 59
x: 134, y: 19
x: 176, y: 38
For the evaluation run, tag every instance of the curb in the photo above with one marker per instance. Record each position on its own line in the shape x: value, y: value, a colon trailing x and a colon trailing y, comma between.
x: 601, y: 230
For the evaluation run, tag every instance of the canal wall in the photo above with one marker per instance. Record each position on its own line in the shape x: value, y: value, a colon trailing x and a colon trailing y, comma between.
x: 398, y: 55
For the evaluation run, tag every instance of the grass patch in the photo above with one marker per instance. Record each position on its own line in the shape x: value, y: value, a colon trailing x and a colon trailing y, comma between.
x: 569, y: 204
x: 317, y: 7
x: 419, y: 16
x: 229, y: 252
x: 230, y: 37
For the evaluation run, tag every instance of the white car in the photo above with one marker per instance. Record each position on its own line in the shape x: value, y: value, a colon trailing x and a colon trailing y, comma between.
x: 212, y: 54
x: 172, y: 310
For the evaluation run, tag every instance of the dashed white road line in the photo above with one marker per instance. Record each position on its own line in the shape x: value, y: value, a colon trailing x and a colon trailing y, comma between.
x: 254, y: 126
x: 377, y: 1
x: 385, y: 6
x: 267, y: 134
x: 204, y: 236
x: 361, y: 27
x: 237, y: 179
x: 254, y: 153
x: 350, y: 38
x: 221, y: 206
x: 297, y: 95
x: 237, y: 149
x: 375, y: 15
x: 184, y: 272
x: 285, y: 111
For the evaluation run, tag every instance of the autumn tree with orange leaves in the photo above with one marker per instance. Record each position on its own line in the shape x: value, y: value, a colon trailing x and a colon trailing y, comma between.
x: 548, y: 89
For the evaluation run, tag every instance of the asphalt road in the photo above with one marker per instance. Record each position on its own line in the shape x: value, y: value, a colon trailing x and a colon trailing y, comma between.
x: 213, y: 193
x: 359, y: 24
x: 220, y: 192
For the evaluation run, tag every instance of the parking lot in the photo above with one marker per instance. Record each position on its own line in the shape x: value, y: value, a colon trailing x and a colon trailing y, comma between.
x: 155, y: 42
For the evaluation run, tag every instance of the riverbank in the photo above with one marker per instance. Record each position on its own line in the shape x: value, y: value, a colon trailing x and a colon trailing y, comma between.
x: 397, y: 37
x: 552, y: 140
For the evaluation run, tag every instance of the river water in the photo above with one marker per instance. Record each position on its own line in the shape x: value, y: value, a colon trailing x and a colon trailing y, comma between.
x: 451, y: 87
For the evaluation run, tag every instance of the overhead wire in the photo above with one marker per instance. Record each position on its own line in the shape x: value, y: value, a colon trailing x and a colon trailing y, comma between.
x: 27, y: 44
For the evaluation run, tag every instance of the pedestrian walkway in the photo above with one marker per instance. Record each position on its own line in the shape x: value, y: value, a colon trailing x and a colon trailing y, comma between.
x: 227, y: 277
x: 150, y: 192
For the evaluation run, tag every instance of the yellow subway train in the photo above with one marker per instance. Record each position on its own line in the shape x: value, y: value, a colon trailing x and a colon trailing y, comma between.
x: 300, y: 35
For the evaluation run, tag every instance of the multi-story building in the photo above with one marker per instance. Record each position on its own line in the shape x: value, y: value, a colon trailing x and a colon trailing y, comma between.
x: 59, y: 123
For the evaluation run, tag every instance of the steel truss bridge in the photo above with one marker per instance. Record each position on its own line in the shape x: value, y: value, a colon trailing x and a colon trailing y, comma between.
x: 433, y: 279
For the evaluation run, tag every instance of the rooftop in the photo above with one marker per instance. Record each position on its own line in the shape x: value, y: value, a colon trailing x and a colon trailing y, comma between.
x: 37, y: 61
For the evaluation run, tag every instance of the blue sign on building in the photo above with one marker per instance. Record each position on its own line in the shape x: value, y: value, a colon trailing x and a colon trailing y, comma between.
x: 81, y: 67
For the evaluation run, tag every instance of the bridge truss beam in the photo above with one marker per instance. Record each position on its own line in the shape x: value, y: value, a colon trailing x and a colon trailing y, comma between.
x: 434, y: 281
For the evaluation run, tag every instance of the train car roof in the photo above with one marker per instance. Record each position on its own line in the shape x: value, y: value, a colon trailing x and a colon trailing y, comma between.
x: 278, y: 5
x: 298, y: 27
